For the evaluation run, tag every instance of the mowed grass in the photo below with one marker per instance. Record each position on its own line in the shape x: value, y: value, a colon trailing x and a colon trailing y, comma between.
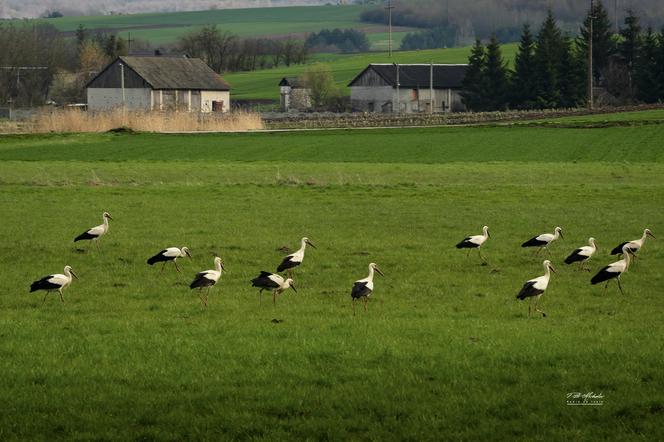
x: 264, y: 84
x: 166, y: 28
x: 445, y: 350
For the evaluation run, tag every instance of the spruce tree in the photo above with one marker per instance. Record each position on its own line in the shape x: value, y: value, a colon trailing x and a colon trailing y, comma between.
x: 522, y: 94
x: 547, y: 63
x: 495, y: 77
x: 630, y: 45
x: 603, y: 46
x: 646, y: 73
x: 660, y: 64
x: 572, y: 82
x: 473, y: 82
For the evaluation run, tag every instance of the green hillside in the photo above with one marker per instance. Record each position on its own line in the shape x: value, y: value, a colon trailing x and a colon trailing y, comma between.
x: 162, y: 28
x: 263, y: 84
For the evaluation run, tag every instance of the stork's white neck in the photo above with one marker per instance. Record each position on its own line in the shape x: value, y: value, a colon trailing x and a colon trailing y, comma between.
x: 547, y: 272
x: 485, y: 232
x: 556, y: 234
x: 643, y: 238
x: 217, y: 265
x: 303, y: 245
x: 371, y: 274
x: 627, y: 258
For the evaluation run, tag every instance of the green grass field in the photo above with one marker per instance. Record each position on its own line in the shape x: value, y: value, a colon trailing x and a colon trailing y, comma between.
x: 164, y: 28
x: 445, y: 350
x: 264, y: 84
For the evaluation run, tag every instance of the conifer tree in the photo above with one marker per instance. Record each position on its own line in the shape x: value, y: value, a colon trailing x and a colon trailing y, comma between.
x: 495, y: 77
x: 522, y: 94
x: 646, y: 73
x: 473, y: 82
x: 630, y: 45
x: 603, y: 46
x: 547, y: 63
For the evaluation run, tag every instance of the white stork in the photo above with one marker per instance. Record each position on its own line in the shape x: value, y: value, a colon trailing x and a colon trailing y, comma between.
x: 614, y: 270
x: 534, y: 288
x: 96, y: 232
x: 274, y: 282
x: 54, y: 283
x: 582, y: 254
x: 170, y: 254
x: 634, y: 245
x: 362, y: 288
x: 475, y: 242
x: 544, y: 240
x: 207, y: 279
x: 294, y: 259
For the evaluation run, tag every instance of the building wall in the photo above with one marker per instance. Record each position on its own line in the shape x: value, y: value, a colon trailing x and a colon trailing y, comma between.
x: 384, y: 99
x: 109, y: 98
x: 207, y: 97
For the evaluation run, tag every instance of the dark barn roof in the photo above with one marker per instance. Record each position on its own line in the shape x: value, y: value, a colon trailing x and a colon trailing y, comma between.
x: 445, y: 76
x: 164, y: 73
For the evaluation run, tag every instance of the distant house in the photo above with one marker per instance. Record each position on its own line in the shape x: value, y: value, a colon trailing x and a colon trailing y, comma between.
x: 159, y: 83
x: 293, y: 95
x: 419, y: 86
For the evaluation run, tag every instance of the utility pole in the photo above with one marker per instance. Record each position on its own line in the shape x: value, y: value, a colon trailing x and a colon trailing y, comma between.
x: 122, y: 84
x: 398, y: 90
x: 129, y: 40
x: 591, y: 17
x: 389, y: 8
x: 18, y: 70
x: 431, y: 88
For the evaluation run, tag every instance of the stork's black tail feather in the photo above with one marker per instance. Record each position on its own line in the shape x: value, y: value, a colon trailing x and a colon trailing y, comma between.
x: 159, y: 257
x: 42, y: 284
x: 574, y: 257
x: 618, y: 249
x: 602, y: 276
x: 84, y: 236
x: 532, y: 243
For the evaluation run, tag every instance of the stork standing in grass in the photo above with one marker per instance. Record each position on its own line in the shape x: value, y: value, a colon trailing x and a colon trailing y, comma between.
x: 206, y: 279
x: 634, y: 245
x: 170, y: 254
x: 54, y: 283
x: 274, y: 282
x: 544, y: 240
x: 362, y: 288
x: 294, y: 259
x: 614, y: 270
x: 96, y: 232
x: 582, y: 254
x: 535, y: 288
x: 475, y: 242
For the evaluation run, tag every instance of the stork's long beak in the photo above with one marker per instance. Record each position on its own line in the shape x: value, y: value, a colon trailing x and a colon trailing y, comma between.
x: 109, y: 216
x: 378, y: 270
x: 189, y: 254
x: 293, y: 287
x: 488, y: 234
x: 552, y: 269
x: 651, y: 235
x: 561, y: 234
x: 73, y: 274
x: 222, y: 266
x: 310, y: 243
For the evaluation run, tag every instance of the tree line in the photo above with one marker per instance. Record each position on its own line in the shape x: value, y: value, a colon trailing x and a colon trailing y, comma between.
x: 343, y: 40
x: 551, y: 68
x: 224, y: 51
x: 505, y: 18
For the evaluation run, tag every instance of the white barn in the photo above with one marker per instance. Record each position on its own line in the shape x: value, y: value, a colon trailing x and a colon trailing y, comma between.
x: 419, y: 86
x: 158, y: 83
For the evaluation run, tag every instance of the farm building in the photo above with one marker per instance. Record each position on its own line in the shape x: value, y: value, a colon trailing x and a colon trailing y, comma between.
x: 159, y: 83
x: 410, y: 88
x: 293, y: 95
